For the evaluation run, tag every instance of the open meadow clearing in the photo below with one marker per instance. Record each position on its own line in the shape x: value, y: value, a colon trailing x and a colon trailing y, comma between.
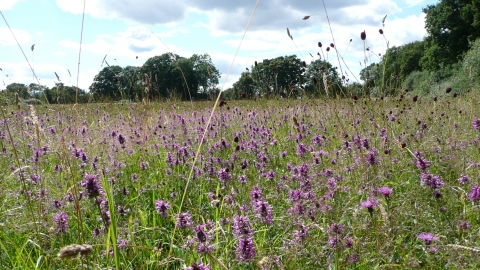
x: 277, y: 184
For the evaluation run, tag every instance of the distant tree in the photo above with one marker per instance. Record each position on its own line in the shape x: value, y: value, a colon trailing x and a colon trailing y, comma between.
x: 21, y: 89
x: 108, y: 83
x: 452, y: 26
x: 314, y: 75
x: 206, y: 74
x: 278, y: 76
x: 244, y: 87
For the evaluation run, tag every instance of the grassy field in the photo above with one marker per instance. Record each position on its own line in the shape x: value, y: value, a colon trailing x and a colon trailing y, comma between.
x: 279, y: 184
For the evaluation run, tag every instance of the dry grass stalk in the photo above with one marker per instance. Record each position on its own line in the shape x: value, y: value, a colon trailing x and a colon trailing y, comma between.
x: 74, y: 250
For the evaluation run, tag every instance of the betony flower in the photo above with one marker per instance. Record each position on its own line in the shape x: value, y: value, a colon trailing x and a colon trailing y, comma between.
x: 61, y: 222
x: 162, y: 207
x: 184, y: 220
x: 476, y: 123
x: 474, y: 194
x: 246, y: 249
x: 463, y: 179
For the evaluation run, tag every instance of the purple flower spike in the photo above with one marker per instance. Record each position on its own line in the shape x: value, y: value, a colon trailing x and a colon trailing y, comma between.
x: 474, y: 194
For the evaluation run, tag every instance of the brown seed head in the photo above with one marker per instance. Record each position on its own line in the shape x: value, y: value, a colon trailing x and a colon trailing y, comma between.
x: 363, y: 35
x: 448, y: 90
x: 380, y: 31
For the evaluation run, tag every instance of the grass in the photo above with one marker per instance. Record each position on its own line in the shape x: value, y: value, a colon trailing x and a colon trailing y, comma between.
x: 313, y: 172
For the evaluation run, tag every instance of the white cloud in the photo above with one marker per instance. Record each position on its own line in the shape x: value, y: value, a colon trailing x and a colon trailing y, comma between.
x: 7, y: 4
x: 6, y: 38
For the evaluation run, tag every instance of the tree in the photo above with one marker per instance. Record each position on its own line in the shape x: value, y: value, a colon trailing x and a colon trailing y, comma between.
x: 279, y: 76
x: 244, y: 87
x: 108, y: 83
x: 207, y: 75
x: 21, y: 89
x: 452, y: 26
x: 315, y: 85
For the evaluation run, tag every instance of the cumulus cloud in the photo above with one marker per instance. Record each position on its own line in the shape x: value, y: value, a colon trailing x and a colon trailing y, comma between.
x: 135, y: 40
x: 7, y: 4
x: 6, y: 38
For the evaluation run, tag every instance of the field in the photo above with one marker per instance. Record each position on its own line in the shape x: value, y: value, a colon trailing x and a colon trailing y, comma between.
x: 276, y: 184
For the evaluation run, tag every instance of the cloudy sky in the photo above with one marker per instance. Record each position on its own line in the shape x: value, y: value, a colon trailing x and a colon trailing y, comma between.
x: 125, y: 29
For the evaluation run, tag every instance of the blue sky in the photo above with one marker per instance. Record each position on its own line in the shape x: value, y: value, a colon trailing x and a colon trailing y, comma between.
x: 123, y: 30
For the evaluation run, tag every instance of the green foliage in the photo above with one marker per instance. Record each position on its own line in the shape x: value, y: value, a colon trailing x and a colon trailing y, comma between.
x: 314, y: 85
x: 278, y: 76
x: 452, y: 26
x: 107, y: 83
x: 245, y: 85
x: 20, y: 88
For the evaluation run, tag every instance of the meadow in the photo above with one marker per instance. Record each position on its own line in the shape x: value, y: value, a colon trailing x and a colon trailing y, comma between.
x: 357, y: 183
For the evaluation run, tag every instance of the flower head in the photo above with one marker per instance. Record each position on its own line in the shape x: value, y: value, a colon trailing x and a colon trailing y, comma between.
x: 428, y: 238
x: 474, y: 194
x: 162, y: 207
x: 61, y: 222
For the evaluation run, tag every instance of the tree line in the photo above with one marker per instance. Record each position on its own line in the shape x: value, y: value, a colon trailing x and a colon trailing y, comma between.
x: 449, y: 53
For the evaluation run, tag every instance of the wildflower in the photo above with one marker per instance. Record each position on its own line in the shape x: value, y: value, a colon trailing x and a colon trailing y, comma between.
x: 476, y: 123
x: 61, y: 222
x: 121, y: 139
x: 301, y: 233
x: 224, y: 175
x: 336, y: 228
x: 421, y: 162
x: 369, y: 205
x: 246, y: 249
x: 91, y: 185
x: 474, y: 194
x: 372, y: 158
x: 184, y: 220
x: 264, y: 211
x: 241, y: 226
x: 255, y: 194
x: 347, y: 242
x: 428, y: 238
x: 385, y: 191
x: 433, y: 250
x: 433, y: 181
x: 203, y: 238
x: 162, y: 207
x: 200, y: 266
x: 464, y: 225
x: 363, y: 35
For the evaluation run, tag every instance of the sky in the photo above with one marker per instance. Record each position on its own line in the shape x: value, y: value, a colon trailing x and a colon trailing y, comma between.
x: 123, y: 30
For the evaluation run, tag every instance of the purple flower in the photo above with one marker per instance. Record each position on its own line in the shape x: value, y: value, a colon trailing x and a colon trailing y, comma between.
x: 91, y: 185
x: 371, y: 158
x: 474, y: 194
x: 347, y: 242
x: 301, y: 149
x: 199, y: 266
x: 61, y: 222
x: 463, y: 179
x: 224, y: 175
x: 336, y: 228
x: 246, y: 249
x: 333, y: 241
x: 202, y: 237
x: 385, y: 191
x: 428, y: 238
x: 476, y: 123
x: 255, y: 194
x: 421, y: 162
x: 162, y: 207
x: 369, y: 205
x: 184, y: 220
x: 464, y: 224
x: 433, y: 181
x: 121, y: 139
x: 241, y: 226
x: 263, y: 211
x: 301, y: 233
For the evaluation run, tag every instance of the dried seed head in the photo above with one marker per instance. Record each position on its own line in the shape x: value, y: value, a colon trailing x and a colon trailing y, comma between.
x: 350, y: 40
x: 305, y: 17
x: 319, y: 44
x: 380, y: 31
x: 328, y: 49
x: 448, y: 90
x: 363, y: 35
x: 304, y: 64
x: 332, y: 45
x: 415, y: 98
x: 73, y: 250
x: 255, y: 63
